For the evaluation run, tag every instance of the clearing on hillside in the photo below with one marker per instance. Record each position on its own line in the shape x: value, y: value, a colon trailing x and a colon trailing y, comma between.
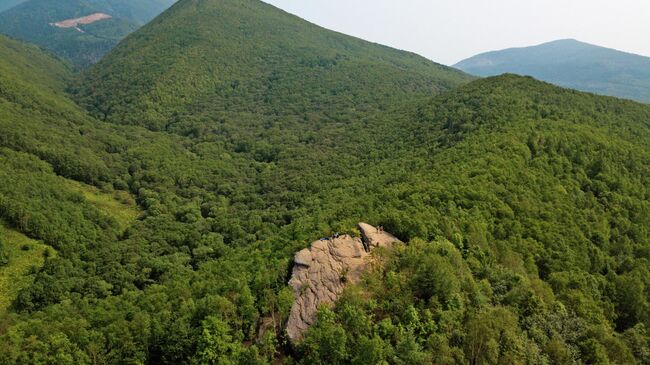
x: 117, y: 204
x: 26, y: 256
x: 85, y: 20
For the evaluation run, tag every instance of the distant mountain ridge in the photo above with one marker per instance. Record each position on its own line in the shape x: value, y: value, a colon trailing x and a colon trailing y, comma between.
x: 34, y: 21
x: 573, y: 64
x: 8, y: 4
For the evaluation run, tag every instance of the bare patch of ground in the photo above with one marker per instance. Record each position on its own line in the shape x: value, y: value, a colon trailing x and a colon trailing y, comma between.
x: 74, y: 23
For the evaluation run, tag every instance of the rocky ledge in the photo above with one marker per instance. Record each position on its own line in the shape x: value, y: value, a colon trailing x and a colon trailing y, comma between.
x: 322, y: 271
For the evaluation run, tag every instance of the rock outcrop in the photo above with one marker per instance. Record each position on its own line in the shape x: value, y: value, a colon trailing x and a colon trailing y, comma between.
x: 322, y: 271
x: 374, y: 237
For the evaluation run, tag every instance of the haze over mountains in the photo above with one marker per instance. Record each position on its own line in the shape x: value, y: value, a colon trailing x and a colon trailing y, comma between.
x: 162, y: 193
x: 37, y: 21
x: 7, y: 4
x: 573, y: 64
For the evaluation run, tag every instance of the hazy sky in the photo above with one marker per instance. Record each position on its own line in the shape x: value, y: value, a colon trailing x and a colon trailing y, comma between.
x: 448, y: 31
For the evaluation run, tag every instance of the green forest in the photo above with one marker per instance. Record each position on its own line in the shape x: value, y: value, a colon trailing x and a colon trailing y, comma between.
x: 153, y: 203
x: 84, y: 44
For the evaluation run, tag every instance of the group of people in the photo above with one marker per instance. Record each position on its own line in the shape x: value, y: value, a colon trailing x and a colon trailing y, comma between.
x: 332, y: 237
x: 380, y: 229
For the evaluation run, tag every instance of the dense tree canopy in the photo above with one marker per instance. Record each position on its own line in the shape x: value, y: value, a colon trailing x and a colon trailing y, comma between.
x: 84, y: 44
x: 525, y: 209
x: 4, y: 254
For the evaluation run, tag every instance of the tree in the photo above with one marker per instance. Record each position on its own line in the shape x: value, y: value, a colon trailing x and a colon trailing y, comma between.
x: 326, y: 341
x: 217, y: 344
x: 435, y: 276
x: 491, y: 337
x: 631, y: 302
x: 372, y: 351
x: 4, y: 255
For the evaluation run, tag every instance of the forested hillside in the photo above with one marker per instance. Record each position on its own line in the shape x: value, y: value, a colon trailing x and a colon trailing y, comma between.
x: 84, y: 44
x: 573, y: 64
x: 524, y: 207
x: 528, y: 241
x: 206, y: 59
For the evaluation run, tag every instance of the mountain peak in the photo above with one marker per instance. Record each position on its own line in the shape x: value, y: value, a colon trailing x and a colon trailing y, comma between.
x: 245, y: 55
x: 570, y: 63
x: 566, y: 41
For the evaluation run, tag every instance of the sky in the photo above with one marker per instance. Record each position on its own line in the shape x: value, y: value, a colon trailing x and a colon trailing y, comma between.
x: 448, y: 31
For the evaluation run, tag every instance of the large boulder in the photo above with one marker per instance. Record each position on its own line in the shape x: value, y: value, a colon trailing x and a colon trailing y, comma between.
x: 322, y: 271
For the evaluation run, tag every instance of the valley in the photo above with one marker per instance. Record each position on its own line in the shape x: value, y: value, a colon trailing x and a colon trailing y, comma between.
x: 78, y: 31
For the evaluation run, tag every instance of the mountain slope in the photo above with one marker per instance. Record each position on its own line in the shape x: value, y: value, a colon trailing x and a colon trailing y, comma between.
x: 572, y: 64
x: 247, y: 56
x: 41, y: 147
x: 83, y: 44
x: 529, y: 201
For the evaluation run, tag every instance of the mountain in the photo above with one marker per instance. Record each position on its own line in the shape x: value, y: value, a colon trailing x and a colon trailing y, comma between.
x: 211, y: 57
x: 80, y: 31
x: 571, y: 64
x: 7, y: 4
x: 172, y: 203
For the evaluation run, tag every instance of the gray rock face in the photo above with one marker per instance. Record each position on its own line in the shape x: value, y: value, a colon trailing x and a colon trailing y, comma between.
x: 374, y: 238
x: 322, y: 271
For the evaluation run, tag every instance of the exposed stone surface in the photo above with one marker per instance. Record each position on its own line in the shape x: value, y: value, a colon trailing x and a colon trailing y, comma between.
x: 72, y: 23
x: 322, y: 271
x: 375, y: 238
